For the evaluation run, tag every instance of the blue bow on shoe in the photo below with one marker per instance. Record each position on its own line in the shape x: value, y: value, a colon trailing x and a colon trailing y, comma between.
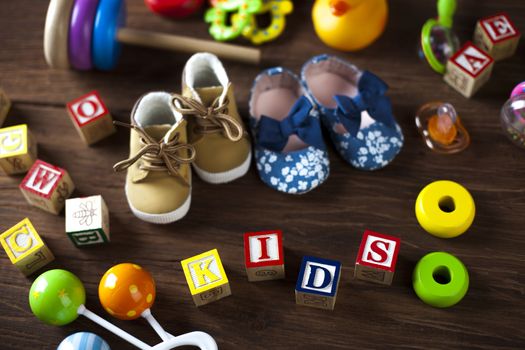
x: 371, y: 98
x: 273, y: 134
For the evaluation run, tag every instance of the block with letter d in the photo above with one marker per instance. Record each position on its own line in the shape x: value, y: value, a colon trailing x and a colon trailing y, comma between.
x: 377, y: 257
x: 25, y: 248
x: 47, y: 186
x: 206, y: 277
x: 263, y: 255
x: 497, y: 36
x: 318, y: 282
x: 87, y: 220
x: 17, y: 149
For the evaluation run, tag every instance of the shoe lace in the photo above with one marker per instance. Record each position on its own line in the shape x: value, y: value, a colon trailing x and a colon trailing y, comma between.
x: 212, y: 119
x: 157, y: 155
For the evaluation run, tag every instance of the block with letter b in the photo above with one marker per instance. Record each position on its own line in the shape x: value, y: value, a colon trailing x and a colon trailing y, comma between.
x: 5, y: 105
x: 91, y: 118
x: 468, y: 70
x: 47, y: 187
x: 318, y: 282
x: 377, y: 257
x: 497, y: 36
x: 263, y: 254
x: 17, y: 149
x: 206, y: 277
x: 87, y: 220
x: 25, y: 248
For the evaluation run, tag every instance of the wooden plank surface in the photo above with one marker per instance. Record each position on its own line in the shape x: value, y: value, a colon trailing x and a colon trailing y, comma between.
x: 327, y: 222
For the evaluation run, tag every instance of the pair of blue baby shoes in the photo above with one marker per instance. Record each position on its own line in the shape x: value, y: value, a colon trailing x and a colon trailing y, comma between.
x: 286, y: 114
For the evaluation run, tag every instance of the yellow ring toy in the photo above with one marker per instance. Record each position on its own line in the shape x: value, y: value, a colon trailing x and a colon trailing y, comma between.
x: 278, y: 10
x: 445, y: 209
x: 241, y: 11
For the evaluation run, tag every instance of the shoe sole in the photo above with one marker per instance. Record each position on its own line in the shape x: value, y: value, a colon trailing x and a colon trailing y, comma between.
x: 227, y: 176
x: 164, y: 218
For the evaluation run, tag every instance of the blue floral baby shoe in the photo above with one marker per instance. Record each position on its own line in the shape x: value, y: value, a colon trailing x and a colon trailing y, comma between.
x: 290, y: 153
x: 355, y: 110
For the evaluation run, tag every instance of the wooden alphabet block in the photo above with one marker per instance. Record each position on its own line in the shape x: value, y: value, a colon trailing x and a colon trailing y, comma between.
x: 377, y: 257
x: 468, y: 69
x: 17, y: 149
x: 5, y: 105
x: 25, y: 248
x: 87, y: 220
x: 497, y: 36
x: 263, y: 255
x: 91, y: 118
x: 47, y: 187
x: 206, y: 277
x: 318, y: 282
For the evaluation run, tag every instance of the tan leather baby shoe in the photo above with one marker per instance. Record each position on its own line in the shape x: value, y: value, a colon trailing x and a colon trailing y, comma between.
x: 215, y: 129
x: 158, y: 181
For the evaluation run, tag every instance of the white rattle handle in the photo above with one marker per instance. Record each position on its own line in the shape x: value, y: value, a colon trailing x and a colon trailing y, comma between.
x: 199, y: 339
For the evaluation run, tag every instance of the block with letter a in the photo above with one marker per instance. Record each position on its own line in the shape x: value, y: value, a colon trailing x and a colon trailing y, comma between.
x: 87, y: 220
x: 377, y: 257
x: 469, y: 69
x: 25, y: 248
x: 318, y: 282
x: 263, y: 255
x: 17, y: 149
x: 91, y: 118
x: 206, y: 278
x: 497, y: 36
x: 47, y: 187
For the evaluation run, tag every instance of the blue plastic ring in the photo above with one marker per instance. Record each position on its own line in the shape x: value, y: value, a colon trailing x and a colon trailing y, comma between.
x: 111, y: 15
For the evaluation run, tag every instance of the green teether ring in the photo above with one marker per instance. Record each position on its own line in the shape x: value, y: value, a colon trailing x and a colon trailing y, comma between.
x: 240, y: 11
x: 440, y: 279
x: 446, y: 9
x: 278, y: 10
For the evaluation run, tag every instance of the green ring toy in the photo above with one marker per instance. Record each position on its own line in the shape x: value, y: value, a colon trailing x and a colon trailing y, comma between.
x: 278, y: 10
x: 241, y: 12
x: 440, y: 279
x: 438, y: 41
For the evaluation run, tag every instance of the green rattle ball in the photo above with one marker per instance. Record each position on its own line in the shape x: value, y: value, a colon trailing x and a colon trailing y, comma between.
x: 55, y: 297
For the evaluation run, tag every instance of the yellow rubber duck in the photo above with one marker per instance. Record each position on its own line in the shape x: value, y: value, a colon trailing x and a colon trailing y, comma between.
x: 349, y: 25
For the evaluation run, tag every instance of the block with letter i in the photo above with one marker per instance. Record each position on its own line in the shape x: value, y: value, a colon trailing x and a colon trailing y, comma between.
x: 318, y: 282
x: 263, y: 254
x: 25, y: 248
x: 47, y: 187
x: 468, y: 70
x: 91, y: 118
x: 497, y: 36
x: 87, y: 220
x: 377, y: 257
x: 5, y: 105
x: 17, y: 149
x: 206, y: 277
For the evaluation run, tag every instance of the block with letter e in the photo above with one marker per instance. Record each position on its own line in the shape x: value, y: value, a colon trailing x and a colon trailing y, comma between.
x: 206, y: 278
x: 377, y: 257
x: 318, y: 282
x: 17, y: 149
x: 497, y: 36
x: 263, y: 255
x: 47, y: 186
x: 25, y: 248
x: 87, y: 220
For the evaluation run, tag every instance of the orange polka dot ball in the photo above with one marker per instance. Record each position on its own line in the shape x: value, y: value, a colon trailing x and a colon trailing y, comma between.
x: 126, y: 290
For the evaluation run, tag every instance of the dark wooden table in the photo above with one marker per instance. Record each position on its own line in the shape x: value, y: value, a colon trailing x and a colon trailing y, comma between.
x: 327, y: 222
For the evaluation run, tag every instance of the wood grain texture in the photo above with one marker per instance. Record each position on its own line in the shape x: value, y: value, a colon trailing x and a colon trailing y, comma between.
x: 329, y: 222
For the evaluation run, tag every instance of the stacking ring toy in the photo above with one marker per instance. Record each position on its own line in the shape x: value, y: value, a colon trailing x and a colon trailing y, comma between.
x: 80, y: 33
x: 440, y: 279
x: 438, y: 41
x: 83, y: 341
x: 445, y: 209
x: 56, y: 33
x: 241, y: 12
x: 96, y: 29
x: 278, y: 10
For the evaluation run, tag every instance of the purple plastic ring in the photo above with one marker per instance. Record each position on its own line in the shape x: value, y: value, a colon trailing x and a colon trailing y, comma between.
x: 80, y: 33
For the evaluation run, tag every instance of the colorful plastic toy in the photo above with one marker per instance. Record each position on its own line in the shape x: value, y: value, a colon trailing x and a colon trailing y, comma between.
x: 57, y: 297
x: 445, y: 209
x: 83, y: 341
x: 513, y: 116
x: 438, y: 41
x: 441, y: 128
x: 349, y: 25
x: 239, y: 11
x: 278, y: 9
x: 174, y: 8
x: 440, y: 279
